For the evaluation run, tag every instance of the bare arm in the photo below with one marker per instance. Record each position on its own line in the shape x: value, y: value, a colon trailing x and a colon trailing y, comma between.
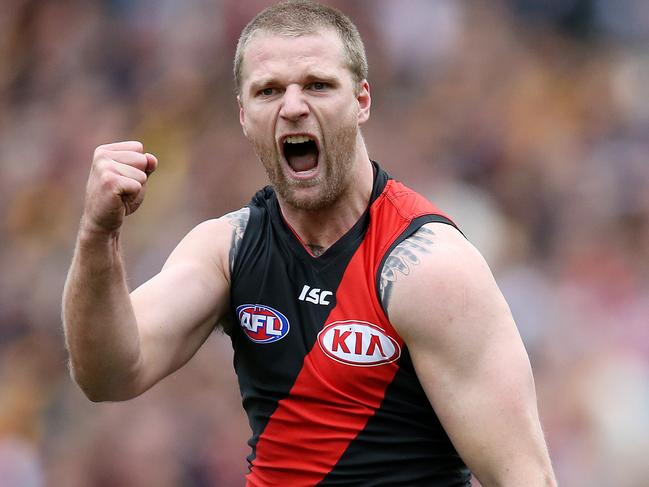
x: 468, y: 355
x: 121, y: 344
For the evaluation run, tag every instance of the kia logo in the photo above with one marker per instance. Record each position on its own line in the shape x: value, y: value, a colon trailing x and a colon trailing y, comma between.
x: 358, y: 343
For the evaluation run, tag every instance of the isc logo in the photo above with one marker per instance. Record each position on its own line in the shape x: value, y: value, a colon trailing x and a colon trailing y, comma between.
x: 262, y: 324
x: 314, y: 295
x: 358, y: 343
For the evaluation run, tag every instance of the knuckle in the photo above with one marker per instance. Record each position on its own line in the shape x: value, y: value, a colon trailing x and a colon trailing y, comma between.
x: 101, y: 149
x: 101, y: 154
x: 106, y: 179
x: 101, y: 165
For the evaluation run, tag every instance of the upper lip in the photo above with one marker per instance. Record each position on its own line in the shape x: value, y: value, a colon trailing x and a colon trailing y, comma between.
x: 305, y: 134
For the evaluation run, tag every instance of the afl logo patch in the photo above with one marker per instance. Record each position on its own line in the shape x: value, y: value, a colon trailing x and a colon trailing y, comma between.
x: 262, y: 324
x: 358, y: 343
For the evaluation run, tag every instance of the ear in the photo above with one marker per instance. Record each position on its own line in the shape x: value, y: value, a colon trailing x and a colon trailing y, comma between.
x: 242, y: 116
x: 364, y: 102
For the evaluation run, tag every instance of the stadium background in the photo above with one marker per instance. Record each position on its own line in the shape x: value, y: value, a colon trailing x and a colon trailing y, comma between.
x: 527, y: 120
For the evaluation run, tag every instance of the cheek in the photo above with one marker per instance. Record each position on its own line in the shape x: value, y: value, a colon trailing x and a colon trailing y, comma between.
x: 259, y: 132
x: 336, y: 118
x: 342, y: 117
x: 258, y: 120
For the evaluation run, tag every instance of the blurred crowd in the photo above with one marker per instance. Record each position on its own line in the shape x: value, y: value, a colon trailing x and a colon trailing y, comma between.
x: 526, y: 120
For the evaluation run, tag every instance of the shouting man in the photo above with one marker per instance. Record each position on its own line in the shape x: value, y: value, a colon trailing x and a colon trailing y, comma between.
x: 371, y: 343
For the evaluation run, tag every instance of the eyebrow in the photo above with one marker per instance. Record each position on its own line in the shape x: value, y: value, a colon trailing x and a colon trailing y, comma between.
x: 257, y: 85
x: 321, y: 76
x: 309, y: 78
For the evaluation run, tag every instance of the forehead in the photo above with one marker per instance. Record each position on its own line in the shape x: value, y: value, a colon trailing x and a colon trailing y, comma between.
x: 274, y: 55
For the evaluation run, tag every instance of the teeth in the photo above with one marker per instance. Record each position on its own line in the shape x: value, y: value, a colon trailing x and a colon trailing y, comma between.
x: 297, y: 139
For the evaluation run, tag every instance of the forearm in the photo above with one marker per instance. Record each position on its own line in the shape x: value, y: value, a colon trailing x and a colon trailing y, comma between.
x: 99, y: 323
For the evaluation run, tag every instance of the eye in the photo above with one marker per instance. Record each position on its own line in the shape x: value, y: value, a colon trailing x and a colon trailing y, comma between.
x: 319, y: 86
x: 266, y: 92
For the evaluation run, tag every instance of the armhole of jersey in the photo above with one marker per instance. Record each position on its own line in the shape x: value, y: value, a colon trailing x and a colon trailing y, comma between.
x: 414, y: 225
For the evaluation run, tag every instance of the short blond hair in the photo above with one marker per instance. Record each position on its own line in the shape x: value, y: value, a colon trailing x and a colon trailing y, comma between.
x: 295, y: 18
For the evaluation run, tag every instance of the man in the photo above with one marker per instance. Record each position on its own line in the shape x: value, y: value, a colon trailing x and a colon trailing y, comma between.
x: 372, y: 344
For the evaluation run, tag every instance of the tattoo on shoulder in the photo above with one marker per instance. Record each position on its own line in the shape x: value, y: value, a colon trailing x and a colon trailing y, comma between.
x: 239, y: 220
x: 402, y: 258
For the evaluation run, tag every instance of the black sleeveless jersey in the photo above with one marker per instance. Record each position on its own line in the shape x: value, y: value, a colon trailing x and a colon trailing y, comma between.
x: 327, y: 383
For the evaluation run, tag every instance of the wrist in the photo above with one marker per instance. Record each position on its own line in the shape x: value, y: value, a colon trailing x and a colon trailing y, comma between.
x: 97, y: 248
x: 90, y: 232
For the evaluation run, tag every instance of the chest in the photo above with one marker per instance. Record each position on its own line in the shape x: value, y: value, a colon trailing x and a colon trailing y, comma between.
x: 294, y: 313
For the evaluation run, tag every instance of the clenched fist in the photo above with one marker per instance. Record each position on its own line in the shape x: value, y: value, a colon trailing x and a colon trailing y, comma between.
x: 116, y: 184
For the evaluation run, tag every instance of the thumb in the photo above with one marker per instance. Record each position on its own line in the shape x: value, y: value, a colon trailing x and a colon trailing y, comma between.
x: 151, y: 163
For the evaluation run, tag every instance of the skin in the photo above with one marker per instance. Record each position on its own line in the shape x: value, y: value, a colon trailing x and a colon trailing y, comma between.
x: 464, y: 344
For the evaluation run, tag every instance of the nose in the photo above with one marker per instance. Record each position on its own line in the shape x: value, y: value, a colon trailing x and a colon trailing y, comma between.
x: 294, y: 106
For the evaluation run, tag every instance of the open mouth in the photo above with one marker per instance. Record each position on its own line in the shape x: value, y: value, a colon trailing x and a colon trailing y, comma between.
x: 301, y: 152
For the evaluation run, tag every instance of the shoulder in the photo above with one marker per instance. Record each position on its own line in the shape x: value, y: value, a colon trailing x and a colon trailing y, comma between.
x: 237, y: 220
x: 436, y: 278
x: 431, y: 245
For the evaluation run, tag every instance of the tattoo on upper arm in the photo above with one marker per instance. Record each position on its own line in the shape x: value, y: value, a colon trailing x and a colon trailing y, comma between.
x: 239, y: 220
x: 404, y: 255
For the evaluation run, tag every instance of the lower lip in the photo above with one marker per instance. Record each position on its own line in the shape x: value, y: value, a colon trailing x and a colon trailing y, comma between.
x: 303, y: 174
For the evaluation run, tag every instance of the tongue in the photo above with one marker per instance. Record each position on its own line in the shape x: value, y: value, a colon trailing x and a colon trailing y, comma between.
x: 302, y: 162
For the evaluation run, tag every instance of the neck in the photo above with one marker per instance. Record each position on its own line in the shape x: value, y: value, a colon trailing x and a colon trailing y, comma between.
x: 320, y: 229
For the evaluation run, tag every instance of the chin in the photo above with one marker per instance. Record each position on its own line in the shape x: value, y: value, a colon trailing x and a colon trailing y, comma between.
x: 309, y: 199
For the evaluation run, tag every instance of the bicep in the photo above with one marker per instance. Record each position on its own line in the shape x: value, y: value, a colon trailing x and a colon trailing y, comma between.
x: 469, y: 357
x: 178, y: 308
x: 176, y: 311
